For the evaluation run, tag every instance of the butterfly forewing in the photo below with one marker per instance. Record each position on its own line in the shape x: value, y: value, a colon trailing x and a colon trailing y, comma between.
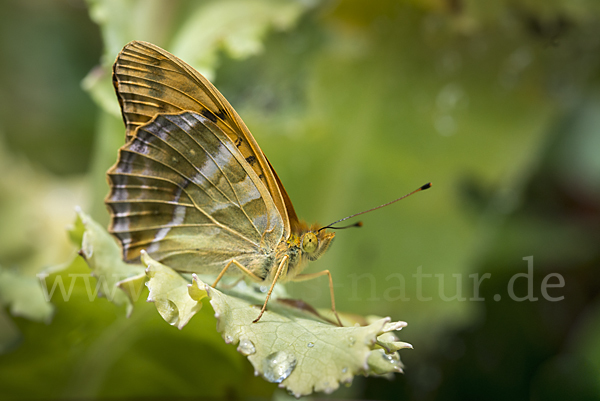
x: 150, y: 81
x: 181, y: 191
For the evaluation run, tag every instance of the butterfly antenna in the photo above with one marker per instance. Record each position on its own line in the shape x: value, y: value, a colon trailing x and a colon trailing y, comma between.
x: 359, y: 224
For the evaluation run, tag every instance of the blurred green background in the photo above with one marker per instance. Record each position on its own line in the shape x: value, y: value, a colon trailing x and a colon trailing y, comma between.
x: 355, y: 103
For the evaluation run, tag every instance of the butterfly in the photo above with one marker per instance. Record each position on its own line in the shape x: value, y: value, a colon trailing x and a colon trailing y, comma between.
x: 192, y: 187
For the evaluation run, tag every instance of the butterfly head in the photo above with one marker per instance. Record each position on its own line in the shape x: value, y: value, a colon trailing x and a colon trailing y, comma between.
x: 314, y: 243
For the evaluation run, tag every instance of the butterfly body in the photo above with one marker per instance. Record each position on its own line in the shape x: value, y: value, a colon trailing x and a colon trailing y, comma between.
x: 192, y: 188
x: 295, y: 248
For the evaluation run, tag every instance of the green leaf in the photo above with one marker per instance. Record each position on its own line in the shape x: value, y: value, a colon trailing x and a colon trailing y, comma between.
x: 239, y: 27
x: 295, y: 348
x: 120, y: 282
x: 169, y: 292
x: 24, y: 296
x: 290, y: 346
x: 90, y: 351
x: 10, y: 335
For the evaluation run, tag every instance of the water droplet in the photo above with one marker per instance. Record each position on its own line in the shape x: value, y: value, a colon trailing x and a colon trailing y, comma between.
x: 392, y: 359
x: 351, y: 341
x: 228, y: 339
x: 87, y: 248
x: 310, y: 345
x: 344, y: 370
x: 168, y: 311
x: 278, y: 366
x: 263, y: 289
x: 246, y: 347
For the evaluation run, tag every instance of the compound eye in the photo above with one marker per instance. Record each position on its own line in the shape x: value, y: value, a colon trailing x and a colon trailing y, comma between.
x: 310, y: 242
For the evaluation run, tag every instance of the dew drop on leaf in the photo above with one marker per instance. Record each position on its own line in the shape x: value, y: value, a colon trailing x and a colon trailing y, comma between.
x: 393, y: 358
x: 310, y: 345
x: 278, y: 366
x: 246, y: 347
x: 170, y: 312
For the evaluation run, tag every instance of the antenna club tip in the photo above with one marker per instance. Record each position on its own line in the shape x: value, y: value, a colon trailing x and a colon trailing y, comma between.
x: 426, y: 186
x: 359, y: 224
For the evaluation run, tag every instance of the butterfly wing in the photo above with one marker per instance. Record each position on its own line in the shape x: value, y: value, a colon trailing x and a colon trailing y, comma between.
x: 151, y: 81
x: 182, y: 191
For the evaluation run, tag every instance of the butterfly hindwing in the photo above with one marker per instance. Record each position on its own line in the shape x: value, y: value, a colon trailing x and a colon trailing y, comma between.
x: 150, y: 81
x: 181, y: 191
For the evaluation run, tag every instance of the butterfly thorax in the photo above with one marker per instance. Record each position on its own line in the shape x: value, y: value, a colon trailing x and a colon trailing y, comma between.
x: 304, y: 245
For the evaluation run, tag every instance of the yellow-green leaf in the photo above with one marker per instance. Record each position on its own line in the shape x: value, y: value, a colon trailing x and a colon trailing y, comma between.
x: 103, y: 256
x: 24, y: 296
x: 170, y: 294
x: 297, y: 349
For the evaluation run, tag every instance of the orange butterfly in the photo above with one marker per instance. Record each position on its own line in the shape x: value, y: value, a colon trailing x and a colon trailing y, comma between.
x: 191, y: 185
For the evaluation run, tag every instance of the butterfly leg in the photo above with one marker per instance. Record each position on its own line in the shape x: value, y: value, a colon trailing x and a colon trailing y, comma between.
x: 304, y: 277
x: 279, y: 270
x: 242, y: 267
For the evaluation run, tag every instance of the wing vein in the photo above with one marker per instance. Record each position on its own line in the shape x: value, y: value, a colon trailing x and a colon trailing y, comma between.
x: 198, y: 186
x: 225, y: 175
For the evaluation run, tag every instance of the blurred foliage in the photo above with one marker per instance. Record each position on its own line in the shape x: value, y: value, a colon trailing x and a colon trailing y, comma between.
x: 47, y: 48
x: 355, y: 103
